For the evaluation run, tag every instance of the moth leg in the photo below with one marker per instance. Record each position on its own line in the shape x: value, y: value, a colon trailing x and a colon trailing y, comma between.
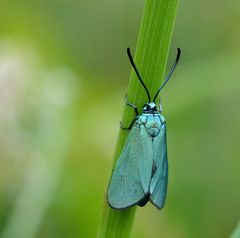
x: 131, y: 105
x: 160, y: 105
x: 129, y: 127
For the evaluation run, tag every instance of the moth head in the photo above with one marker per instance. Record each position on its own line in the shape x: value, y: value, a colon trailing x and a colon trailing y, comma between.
x: 150, y: 107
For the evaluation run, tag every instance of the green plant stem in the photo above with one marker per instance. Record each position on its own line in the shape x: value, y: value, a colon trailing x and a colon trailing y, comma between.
x: 236, y: 233
x: 151, y: 58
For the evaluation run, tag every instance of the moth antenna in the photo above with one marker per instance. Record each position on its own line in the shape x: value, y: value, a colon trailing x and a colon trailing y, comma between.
x: 138, y: 74
x: 169, y: 74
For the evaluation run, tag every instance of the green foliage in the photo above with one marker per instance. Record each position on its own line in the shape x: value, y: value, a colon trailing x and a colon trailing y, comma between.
x: 78, y: 49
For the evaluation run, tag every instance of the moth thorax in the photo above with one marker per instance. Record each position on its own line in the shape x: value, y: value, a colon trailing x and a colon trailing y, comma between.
x: 153, y: 131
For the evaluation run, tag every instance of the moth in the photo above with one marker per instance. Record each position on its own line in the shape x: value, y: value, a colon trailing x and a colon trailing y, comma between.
x: 141, y: 172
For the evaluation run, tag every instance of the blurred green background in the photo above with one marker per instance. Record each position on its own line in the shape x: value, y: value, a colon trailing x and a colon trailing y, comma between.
x: 63, y: 76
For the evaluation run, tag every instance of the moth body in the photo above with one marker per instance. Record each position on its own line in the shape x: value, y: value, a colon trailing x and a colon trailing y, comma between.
x: 141, y: 172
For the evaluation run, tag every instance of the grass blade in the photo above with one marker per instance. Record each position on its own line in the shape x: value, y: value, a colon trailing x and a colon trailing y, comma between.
x: 151, y: 58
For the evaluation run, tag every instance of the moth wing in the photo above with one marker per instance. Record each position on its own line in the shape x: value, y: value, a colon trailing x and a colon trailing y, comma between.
x: 131, y: 177
x: 158, y: 186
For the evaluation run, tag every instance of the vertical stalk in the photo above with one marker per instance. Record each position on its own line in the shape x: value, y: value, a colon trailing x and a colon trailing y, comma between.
x: 236, y: 233
x: 151, y: 58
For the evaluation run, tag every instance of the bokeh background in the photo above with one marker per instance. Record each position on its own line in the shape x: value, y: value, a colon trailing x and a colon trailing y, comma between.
x: 63, y: 76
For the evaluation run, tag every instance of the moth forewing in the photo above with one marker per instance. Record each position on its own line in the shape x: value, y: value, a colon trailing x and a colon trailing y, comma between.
x: 158, y: 186
x: 131, y: 177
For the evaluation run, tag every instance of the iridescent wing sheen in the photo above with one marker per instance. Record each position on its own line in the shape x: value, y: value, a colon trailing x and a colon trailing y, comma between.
x: 158, y: 186
x: 131, y: 177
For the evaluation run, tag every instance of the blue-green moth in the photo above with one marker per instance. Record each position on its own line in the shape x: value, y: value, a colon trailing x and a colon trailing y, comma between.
x: 141, y: 172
